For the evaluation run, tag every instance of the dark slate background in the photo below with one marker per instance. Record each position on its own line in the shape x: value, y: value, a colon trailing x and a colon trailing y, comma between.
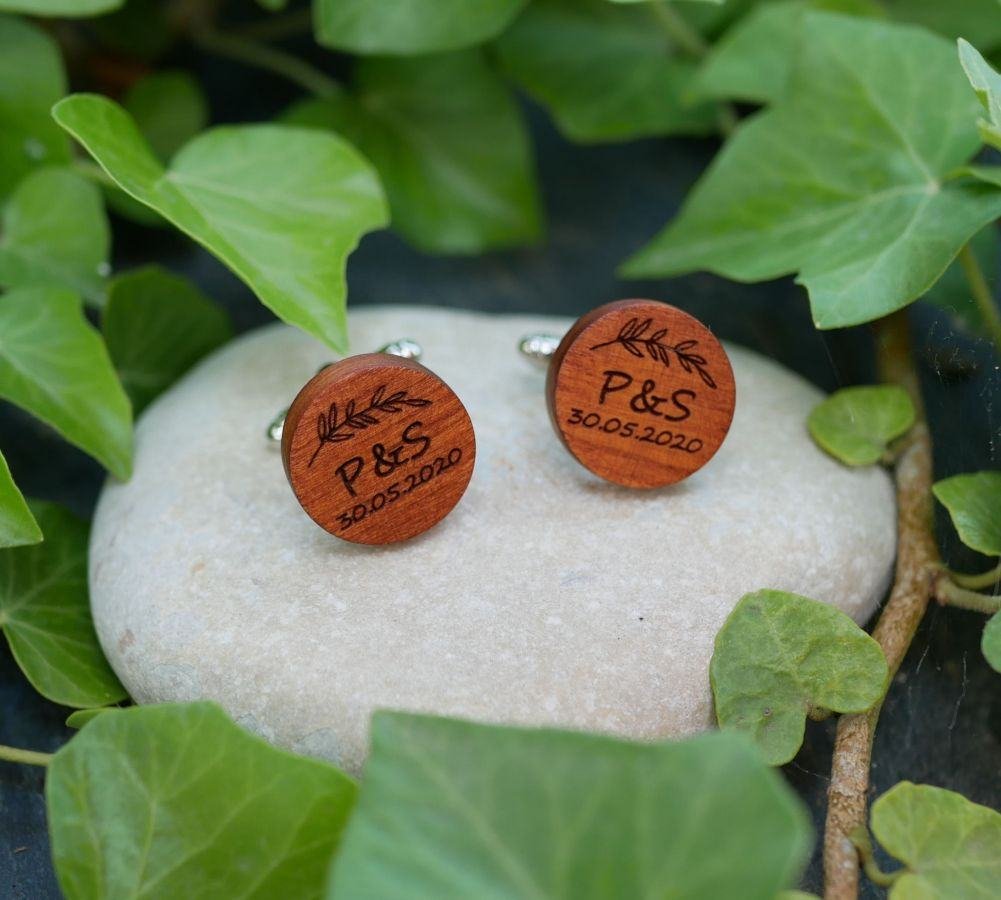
x: 942, y: 722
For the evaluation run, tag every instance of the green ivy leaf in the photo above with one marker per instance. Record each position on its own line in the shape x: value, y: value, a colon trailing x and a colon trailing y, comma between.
x: 450, y: 146
x: 951, y: 847
x: 454, y: 809
x: 169, y: 108
x: 66, y: 9
x: 54, y: 365
x: 951, y: 292
x: 974, y: 504
x: 31, y: 80
x: 865, y: 215
x: 177, y: 801
x: 986, y: 84
x: 964, y: 18
x: 571, y: 56
x: 45, y: 614
x: 753, y: 60
x: 17, y: 524
x: 990, y: 643
x: 989, y: 174
x: 55, y: 233
x: 779, y: 655
x: 408, y: 27
x: 857, y: 424
x: 711, y: 20
x: 714, y: 2
x: 80, y: 717
x: 282, y: 207
x: 157, y: 326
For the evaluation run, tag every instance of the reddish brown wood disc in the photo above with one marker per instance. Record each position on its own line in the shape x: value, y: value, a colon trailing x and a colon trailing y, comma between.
x: 377, y: 449
x: 641, y: 393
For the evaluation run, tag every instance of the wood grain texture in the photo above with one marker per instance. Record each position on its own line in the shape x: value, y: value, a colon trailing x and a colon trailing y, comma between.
x: 377, y: 449
x: 641, y: 393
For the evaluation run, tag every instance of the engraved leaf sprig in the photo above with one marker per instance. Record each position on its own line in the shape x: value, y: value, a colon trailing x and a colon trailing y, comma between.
x: 336, y: 425
x: 634, y: 338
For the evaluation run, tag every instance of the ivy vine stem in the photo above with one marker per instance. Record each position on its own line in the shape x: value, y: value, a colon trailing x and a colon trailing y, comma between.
x: 977, y: 581
x: 982, y: 294
x: 863, y: 844
x: 678, y: 30
x: 31, y: 757
x: 277, y: 28
x: 690, y: 42
x: 951, y: 594
x: 917, y: 566
x: 261, y: 56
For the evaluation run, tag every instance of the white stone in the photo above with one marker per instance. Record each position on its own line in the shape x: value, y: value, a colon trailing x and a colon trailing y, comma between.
x: 546, y: 597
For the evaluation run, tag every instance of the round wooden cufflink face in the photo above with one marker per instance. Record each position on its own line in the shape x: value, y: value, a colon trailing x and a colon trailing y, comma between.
x: 377, y: 449
x: 641, y: 393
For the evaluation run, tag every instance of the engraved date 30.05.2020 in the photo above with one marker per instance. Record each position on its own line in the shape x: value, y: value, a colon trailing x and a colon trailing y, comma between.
x: 397, y: 490
x: 672, y: 440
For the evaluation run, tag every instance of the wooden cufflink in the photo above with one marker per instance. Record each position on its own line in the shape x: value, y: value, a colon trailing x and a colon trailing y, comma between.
x: 376, y: 447
x: 640, y: 392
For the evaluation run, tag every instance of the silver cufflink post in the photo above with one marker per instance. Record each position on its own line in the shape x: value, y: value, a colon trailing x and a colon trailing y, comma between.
x: 539, y: 348
x: 404, y: 348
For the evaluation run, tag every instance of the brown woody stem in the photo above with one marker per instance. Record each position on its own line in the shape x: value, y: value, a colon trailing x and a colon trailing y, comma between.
x: 914, y: 578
